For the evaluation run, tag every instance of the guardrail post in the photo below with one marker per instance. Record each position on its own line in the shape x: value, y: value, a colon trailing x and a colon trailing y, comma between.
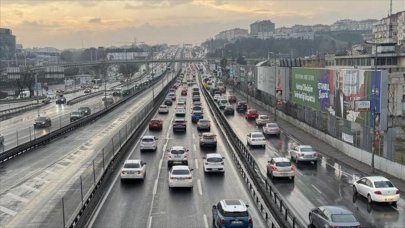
x: 63, y: 212
x: 94, y: 174
x: 103, y: 160
x: 81, y: 188
x: 286, y: 214
x: 112, y: 142
x: 60, y: 121
x: 119, y: 137
x: 30, y: 133
x: 281, y: 205
x: 17, y: 136
x: 293, y: 222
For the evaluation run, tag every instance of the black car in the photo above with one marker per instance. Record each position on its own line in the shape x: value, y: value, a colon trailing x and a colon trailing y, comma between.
x: 76, y: 116
x: 61, y: 100
x: 42, y: 122
x: 229, y: 110
x: 196, y: 98
x: 241, y: 107
x: 85, y: 110
x: 168, y: 102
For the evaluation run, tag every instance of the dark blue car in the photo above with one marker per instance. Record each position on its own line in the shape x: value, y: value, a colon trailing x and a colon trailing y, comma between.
x: 231, y: 213
x: 196, y: 116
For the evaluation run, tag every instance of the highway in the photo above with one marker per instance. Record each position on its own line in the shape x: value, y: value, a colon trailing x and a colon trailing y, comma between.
x: 151, y: 204
x: 32, y: 186
x: 327, y: 183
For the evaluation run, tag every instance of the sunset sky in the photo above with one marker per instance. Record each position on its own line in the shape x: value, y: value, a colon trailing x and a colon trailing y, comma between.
x: 85, y: 23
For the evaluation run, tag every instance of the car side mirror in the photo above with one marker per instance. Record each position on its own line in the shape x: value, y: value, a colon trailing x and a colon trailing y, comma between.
x: 204, y: 158
x: 187, y: 150
x: 191, y: 170
x: 247, y: 205
x: 156, y: 138
x: 214, y: 206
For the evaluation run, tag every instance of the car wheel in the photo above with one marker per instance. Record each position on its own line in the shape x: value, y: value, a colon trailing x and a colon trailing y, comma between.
x: 354, y: 190
x: 292, y: 178
x: 264, y: 146
x: 369, y: 200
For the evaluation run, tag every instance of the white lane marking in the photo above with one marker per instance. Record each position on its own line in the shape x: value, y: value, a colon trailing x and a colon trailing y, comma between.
x: 150, y: 222
x: 155, y: 187
x: 199, y: 186
x: 16, y: 197
x: 196, y: 163
x: 205, y: 221
x: 30, y: 188
x: 50, y: 172
x: 193, y: 136
x: 93, y: 219
x: 320, y: 192
x: 195, y: 147
x: 8, y: 211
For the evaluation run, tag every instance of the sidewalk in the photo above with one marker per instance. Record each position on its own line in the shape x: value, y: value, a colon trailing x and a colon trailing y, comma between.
x: 326, y: 149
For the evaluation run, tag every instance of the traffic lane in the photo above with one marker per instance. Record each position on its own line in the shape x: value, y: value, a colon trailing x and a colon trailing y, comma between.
x: 331, y: 182
x: 128, y: 204
x: 230, y: 185
x: 15, y: 104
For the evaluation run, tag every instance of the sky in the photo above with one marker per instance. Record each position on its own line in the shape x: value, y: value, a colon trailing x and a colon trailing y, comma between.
x: 92, y: 23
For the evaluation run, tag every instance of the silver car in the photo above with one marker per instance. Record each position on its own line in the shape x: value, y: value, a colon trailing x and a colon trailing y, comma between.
x: 303, y: 153
x: 332, y: 216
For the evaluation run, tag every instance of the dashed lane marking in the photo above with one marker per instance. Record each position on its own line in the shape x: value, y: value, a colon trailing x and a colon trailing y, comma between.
x: 8, y: 211
x: 16, y: 197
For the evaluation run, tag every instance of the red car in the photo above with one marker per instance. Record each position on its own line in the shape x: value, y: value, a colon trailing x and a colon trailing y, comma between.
x: 251, y: 114
x: 156, y: 124
x: 184, y: 92
x: 232, y: 99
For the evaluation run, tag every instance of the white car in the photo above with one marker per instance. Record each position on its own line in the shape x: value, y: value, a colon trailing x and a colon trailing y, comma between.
x: 183, y: 99
x: 163, y: 109
x: 262, y: 120
x: 133, y: 169
x: 148, y: 142
x: 180, y: 176
x: 377, y: 189
x: 271, y: 129
x: 280, y: 167
x: 172, y: 95
x: 177, y: 155
x: 256, y: 139
x: 180, y: 104
x: 180, y: 111
x: 303, y: 153
x: 214, y: 162
x: 216, y: 97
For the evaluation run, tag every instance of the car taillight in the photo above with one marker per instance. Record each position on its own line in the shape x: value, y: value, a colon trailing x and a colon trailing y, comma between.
x: 250, y: 221
x: 189, y: 178
x: 299, y: 154
x: 172, y: 178
x: 222, y: 221
x: 139, y: 172
x: 292, y: 168
x: 123, y: 172
x: 377, y: 192
x: 222, y: 163
x: 206, y: 163
x: 397, y: 192
x: 274, y: 168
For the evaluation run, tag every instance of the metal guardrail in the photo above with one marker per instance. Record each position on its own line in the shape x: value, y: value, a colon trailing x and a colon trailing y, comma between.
x: 32, y: 144
x: 12, y: 111
x: 84, y: 97
x: 102, y: 180
x: 264, y: 188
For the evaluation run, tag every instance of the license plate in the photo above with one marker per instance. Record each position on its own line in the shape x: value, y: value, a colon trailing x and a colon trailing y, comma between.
x: 237, y: 222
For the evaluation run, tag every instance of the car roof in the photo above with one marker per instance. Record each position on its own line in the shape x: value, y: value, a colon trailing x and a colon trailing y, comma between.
x: 263, y: 115
x: 233, y: 205
x: 178, y: 148
x: 179, y: 119
x: 213, y: 155
x: 281, y: 159
x: 336, y: 209
x: 180, y: 167
x: 377, y: 178
x: 148, y: 137
x: 132, y: 161
x: 305, y: 146
x: 256, y: 133
x: 208, y: 134
x: 163, y: 106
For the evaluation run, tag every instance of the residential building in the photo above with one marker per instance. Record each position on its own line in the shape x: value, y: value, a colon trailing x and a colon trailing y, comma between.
x: 232, y: 34
x: 352, y: 25
x: 390, y: 29
x: 265, y: 26
x: 7, y: 44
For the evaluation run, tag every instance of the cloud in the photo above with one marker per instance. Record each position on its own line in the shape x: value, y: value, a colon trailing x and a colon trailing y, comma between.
x: 95, y: 20
x: 141, y: 4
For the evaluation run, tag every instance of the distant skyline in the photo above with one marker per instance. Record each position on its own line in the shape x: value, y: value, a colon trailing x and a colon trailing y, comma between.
x: 84, y: 23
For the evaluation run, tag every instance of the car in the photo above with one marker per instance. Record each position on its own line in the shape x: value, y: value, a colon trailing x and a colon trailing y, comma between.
x: 262, y: 120
x: 213, y: 162
x: 180, y: 176
x: 172, y: 96
x: 232, y: 99
x: 117, y: 91
x: 76, y: 116
x: 108, y: 100
x: 1, y: 139
x: 196, y: 116
x: 280, y: 167
x: 180, y: 104
x: 197, y: 103
x: 148, y: 142
x: 332, y: 216
x: 377, y: 189
x: 172, y: 90
x: 241, y: 107
x: 177, y: 155
x: 251, y: 114
x: 195, y: 93
x: 229, y: 110
x: 184, y: 92
x: 217, y: 96
x: 196, y: 98
x: 303, y: 153
x: 179, y: 124
x: 47, y: 100
x: 168, y: 102
x: 231, y: 213
x: 155, y: 124
x: 222, y: 103
x: 203, y: 124
x: 197, y: 108
x: 163, y: 109
x: 256, y: 139
x: 42, y: 122
x: 86, y: 91
x: 180, y: 111
x: 85, y: 110
x: 271, y: 129
x: 183, y: 99
x: 61, y: 100
x: 208, y: 140
x: 133, y: 170
x: 195, y: 89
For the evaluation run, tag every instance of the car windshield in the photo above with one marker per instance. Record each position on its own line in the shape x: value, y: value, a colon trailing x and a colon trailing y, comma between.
x: 272, y: 125
x: 204, y: 121
x: 209, y: 136
x: 283, y: 164
x: 148, y: 140
x: 307, y: 149
x: 179, y: 121
x: 264, y: 117
x: 235, y: 214
x: 214, y: 159
x: 131, y: 165
x: 383, y: 184
x: 197, y: 108
x: 76, y: 113
x: 257, y: 135
x: 41, y: 119
x: 343, y: 218
x: 180, y: 172
x: 177, y: 151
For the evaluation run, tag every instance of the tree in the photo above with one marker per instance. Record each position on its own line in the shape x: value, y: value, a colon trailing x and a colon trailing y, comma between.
x: 241, y: 60
x: 224, y: 63
x: 66, y: 56
x: 128, y: 69
x: 26, y: 80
